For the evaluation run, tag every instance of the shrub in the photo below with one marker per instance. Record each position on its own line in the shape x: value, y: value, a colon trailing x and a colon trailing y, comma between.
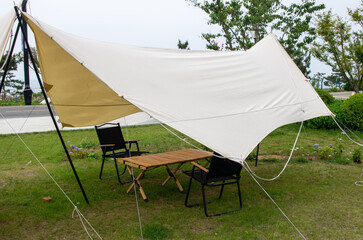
x: 327, y: 122
x: 251, y: 156
x: 77, y: 152
x: 357, y: 155
x: 271, y: 160
x: 86, y: 143
x: 325, y: 96
x: 300, y: 160
x: 347, y: 87
x: 333, y: 89
x: 93, y: 155
x: 328, y: 152
x: 351, y: 112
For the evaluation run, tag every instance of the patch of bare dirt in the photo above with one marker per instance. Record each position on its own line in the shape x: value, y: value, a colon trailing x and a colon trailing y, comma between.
x: 272, y: 156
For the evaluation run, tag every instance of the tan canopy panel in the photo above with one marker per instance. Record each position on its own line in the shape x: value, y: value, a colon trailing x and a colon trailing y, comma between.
x: 226, y: 100
x: 78, y: 96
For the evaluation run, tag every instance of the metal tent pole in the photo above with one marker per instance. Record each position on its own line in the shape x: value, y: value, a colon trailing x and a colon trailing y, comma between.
x: 258, y: 148
x: 7, y: 65
x: 27, y: 90
x: 50, y: 110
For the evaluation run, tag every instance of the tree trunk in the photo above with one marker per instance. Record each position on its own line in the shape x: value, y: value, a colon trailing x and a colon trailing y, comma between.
x: 356, y: 88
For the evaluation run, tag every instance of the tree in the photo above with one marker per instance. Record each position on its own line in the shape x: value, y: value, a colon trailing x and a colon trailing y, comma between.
x: 318, y: 80
x: 183, y: 45
x: 239, y: 19
x: 340, y: 46
x: 335, y: 80
x: 34, y: 53
x: 297, y: 31
x: 11, y: 86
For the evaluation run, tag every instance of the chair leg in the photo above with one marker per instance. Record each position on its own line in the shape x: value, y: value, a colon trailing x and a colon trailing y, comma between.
x: 117, y: 172
x: 220, y: 195
x: 204, y: 201
x: 239, y: 195
x: 187, y: 194
x: 103, y: 162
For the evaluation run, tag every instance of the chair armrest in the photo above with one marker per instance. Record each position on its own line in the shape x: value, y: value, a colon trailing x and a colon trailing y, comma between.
x: 107, y: 145
x: 200, y: 167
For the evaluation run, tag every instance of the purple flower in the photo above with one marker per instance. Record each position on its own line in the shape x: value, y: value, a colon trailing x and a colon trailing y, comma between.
x: 316, y: 145
x: 343, y: 133
x: 81, y: 149
x: 70, y: 152
x: 330, y: 145
x: 76, y: 148
x: 73, y: 146
x: 314, y: 152
x: 69, y: 141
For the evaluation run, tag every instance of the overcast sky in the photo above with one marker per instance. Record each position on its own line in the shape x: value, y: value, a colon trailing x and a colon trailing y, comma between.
x: 151, y: 23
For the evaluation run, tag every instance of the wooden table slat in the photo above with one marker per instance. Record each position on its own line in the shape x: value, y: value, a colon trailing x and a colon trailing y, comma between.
x: 167, y: 158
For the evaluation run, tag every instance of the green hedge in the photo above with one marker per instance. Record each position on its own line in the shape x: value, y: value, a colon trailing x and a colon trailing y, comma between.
x: 325, y: 96
x: 326, y: 122
x: 349, y: 112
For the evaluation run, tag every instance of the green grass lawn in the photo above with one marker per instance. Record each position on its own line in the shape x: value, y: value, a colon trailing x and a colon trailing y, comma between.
x: 319, y: 196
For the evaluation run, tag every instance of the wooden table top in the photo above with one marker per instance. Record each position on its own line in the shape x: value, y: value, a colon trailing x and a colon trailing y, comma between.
x: 167, y: 158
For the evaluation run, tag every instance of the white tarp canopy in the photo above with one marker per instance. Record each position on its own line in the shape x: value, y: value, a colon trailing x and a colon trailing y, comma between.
x: 6, y: 25
x: 228, y: 101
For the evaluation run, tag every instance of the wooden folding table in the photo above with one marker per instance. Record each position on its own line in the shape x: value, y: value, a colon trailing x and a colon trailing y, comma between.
x: 147, y: 162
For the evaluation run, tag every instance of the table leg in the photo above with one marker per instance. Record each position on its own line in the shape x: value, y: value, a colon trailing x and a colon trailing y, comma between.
x: 137, y: 182
x: 172, y: 175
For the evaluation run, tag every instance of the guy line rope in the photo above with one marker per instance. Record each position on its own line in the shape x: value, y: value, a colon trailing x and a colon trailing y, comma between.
x: 80, y: 215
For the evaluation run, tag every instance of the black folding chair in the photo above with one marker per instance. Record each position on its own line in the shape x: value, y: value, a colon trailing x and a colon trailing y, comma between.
x: 221, y: 172
x: 114, y: 146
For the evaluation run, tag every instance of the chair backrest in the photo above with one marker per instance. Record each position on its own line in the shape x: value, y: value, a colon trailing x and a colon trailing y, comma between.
x: 110, y: 133
x: 223, y: 167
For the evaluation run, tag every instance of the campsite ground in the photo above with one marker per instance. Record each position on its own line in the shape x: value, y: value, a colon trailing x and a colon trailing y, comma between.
x: 320, y: 197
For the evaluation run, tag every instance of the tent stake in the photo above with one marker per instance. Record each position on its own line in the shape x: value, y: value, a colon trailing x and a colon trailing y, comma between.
x: 7, y: 65
x: 49, y: 109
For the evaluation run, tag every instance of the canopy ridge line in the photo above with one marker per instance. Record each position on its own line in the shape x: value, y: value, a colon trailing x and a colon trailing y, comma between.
x: 56, y: 183
x: 89, y: 105
x: 239, y: 113
x: 48, y: 105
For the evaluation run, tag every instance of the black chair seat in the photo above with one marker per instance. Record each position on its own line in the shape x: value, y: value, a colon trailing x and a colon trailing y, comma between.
x: 201, y: 177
